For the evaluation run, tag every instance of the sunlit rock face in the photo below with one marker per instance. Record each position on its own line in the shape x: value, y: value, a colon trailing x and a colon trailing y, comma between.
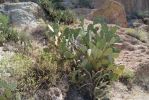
x: 131, y: 6
x: 112, y: 11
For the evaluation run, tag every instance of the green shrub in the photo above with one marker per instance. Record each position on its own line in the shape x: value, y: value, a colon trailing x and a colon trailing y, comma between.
x: 41, y: 75
x: 139, y: 34
x: 30, y: 74
x: 55, y: 14
x: 127, y: 77
x: 15, y: 64
x: 91, y: 53
x: 8, y: 88
x: 6, y: 34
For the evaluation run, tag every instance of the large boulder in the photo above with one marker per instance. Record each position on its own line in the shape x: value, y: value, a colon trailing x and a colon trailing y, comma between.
x: 112, y: 11
x: 131, y: 6
x: 26, y: 17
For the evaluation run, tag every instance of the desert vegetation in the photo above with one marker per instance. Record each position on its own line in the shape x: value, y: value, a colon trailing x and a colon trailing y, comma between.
x: 87, y: 53
x: 82, y: 57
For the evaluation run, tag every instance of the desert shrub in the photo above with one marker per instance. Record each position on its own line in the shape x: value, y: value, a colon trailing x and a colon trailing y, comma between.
x: 55, y: 14
x: 127, y: 78
x: 15, y: 64
x: 7, y: 90
x: 85, y: 55
x: 41, y: 75
x: 91, y: 53
x: 7, y: 34
x: 12, y: 67
x: 128, y: 74
x: 30, y: 74
x: 139, y: 34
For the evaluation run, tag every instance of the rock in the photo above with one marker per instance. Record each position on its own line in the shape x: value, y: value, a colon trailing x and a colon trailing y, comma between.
x: 112, y: 11
x: 98, y: 3
x: 2, y: 91
x: 144, y: 27
x: 1, y: 1
x: 146, y: 21
x: 137, y: 23
x: 119, y: 91
x: 51, y: 94
x: 142, y: 74
x: 26, y: 17
x: 139, y: 33
x: 131, y: 6
x: 82, y: 11
x: 135, y: 6
x: 14, y: 1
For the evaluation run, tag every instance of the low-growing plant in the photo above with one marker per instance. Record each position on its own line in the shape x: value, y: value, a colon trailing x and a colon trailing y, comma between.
x: 56, y: 14
x: 7, y: 90
x: 6, y: 34
x: 12, y: 68
x: 127, y: 78
x: 15, y: 64
x: 41, y: 75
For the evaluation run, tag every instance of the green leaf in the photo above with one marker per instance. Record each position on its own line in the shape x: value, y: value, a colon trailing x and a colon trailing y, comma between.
x: 12, y: 86
x: 113, y: 30
x: 83, y: 49
x: 101, y: 43
x: 3, y: 98
x: 115, y: 55
x: 3, y: 84
x: 105, y: 62
x: 68, y: 54
x: 109, y: 51
x: 8, y: 93
x: 99, y: 53
x: 113, y: 40
x: 84, y: 63
x: 91, y: 45
x: 90, y: 27
x: 119, y: 70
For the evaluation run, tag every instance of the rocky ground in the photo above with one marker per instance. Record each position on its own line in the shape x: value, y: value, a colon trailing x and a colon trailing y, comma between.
x: 134, y: 52
x: 135, y: 57
x: 120, y: 91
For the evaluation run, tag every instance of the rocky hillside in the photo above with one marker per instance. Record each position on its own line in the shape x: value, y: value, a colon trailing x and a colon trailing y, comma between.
x: 49, y: 52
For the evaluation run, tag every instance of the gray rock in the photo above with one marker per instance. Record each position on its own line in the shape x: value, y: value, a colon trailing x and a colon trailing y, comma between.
x: 13, y: 1
x: 51, y: 94
x: 26, y: 17
x: 146, y: 20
